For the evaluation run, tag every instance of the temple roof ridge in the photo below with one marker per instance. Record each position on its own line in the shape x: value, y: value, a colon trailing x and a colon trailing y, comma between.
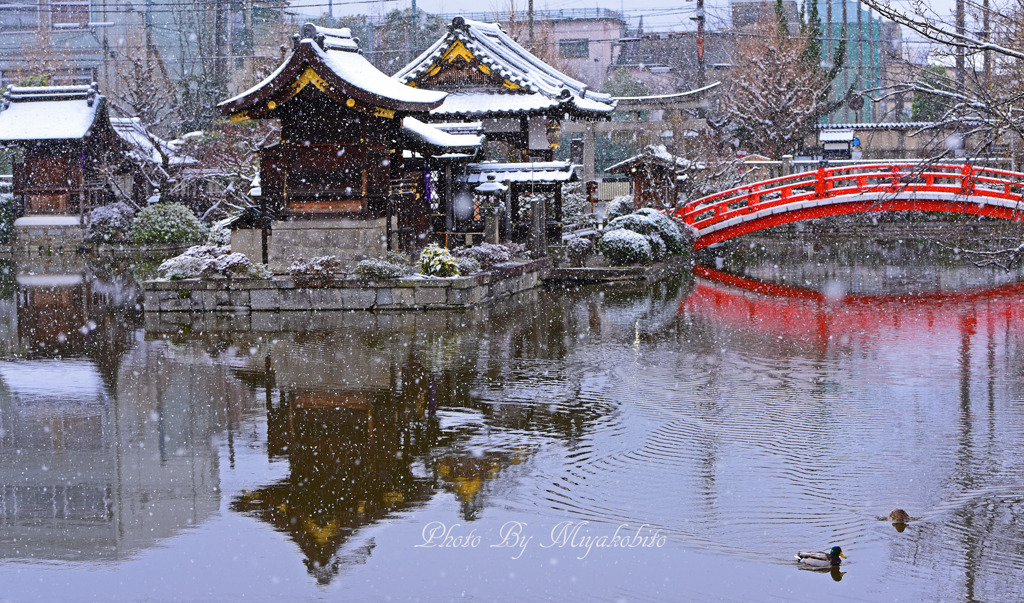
x: 495, y: 49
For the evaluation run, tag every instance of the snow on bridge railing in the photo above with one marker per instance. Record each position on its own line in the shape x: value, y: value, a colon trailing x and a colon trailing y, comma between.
x: 762, y: 170
x: 947, y: 179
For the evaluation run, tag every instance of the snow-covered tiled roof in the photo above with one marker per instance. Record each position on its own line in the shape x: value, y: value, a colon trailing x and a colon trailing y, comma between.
x: 657, y: 154
x: 483, y: 103
x: 334, y: 56
x: 49, y: 112
x: 438, y: 138
x: 143, y: 144
x: 538, y: 171
x: 500, y: 54
x: 835, y: 135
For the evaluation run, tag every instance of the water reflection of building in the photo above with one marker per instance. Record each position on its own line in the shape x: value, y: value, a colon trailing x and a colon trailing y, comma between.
x: 351, y: 462
x: 96, y: 460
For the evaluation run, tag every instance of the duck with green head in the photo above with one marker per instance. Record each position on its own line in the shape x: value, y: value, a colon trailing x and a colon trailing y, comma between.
x: 822, y: 559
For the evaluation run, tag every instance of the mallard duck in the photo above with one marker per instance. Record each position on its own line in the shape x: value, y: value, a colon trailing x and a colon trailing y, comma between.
x: 828, y: 559
x: 899, y: 515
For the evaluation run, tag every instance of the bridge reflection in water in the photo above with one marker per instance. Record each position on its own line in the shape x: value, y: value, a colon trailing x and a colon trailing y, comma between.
x: 823, y: 319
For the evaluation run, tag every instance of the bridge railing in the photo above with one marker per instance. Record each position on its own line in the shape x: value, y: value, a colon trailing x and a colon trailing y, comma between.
x: 763, y: 170
x: 858, y: 179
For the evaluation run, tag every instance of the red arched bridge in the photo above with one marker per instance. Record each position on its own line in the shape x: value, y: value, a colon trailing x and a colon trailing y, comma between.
x: 833, y: 191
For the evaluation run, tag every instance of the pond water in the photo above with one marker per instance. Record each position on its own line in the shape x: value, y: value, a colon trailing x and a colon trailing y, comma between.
x: 678, y: 440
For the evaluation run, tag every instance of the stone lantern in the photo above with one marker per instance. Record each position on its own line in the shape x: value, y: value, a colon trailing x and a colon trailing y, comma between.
x: 491, y: 206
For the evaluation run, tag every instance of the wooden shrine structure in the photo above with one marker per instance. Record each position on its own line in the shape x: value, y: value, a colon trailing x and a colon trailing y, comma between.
x: 654, y: 174
x: 67, y: 149
x: 349, y: 174
x: 519, y: 102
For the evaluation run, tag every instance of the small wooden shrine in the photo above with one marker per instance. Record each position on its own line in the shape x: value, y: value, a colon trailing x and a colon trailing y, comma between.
x: 654, y: 173
x: 348, y: 176
x: 519, y: 100
x: 68, y: 148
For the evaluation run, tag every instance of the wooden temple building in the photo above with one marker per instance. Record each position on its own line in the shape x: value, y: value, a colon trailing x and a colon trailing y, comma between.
x: 350, y: 176
x: 519, y: 103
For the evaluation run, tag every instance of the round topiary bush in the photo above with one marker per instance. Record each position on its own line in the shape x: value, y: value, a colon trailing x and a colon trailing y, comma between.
x: 166, y: 224
x: 623, y: 247
x: 619, y: 206
x: 109, y: 223
x: 438, y: 261
x: 578, y: 249
x: 666, y: 229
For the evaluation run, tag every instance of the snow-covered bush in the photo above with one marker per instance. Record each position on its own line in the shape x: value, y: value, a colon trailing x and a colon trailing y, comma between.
x: 619, y: 206
x: 314, y: 271
x: 467, y: 264
x: 578, y: 249
x: 575, y: 209
x: 6, y: 218
x: 663, y: 231
x: 166, y: 224
x: 487, y: 254
x: 622, y: 247
x: 219, y: 235
x: 109, y: 223
x: 666, y: 228
x: 437, y: 261
x: 210, y: 261
x: 377, y: 269
x: 638, y: 223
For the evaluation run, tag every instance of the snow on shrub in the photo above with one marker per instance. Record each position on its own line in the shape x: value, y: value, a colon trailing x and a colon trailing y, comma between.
x: 166, y: 224
x: 578, y: 249
x: 619, y: 206
x: 314, y: 271
x: 210, y: 261
x: 392, y: 265
x: 219, y: 235
x: 638, y: 223
x: 666, y: 229
x: 109, y: 223
x: 622, y: 247
x: 467, y: 264
x: 438, y: 261
x: 487, y: 254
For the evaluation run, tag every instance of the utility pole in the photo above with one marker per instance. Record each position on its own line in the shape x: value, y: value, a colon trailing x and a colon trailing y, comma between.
x: 699, y: 18
x: 529, y: 12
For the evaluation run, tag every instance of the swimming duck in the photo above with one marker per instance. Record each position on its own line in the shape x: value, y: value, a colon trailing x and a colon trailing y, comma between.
x: 899, y: 515
x: 828, y: 559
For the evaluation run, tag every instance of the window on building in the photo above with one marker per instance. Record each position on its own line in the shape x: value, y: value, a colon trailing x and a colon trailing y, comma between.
x: 578, y: 48
x: 69, y: 14
x: 19, y: 15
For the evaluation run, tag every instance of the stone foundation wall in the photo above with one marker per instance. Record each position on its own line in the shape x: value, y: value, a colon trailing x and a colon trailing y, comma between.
x: 348, y: 240
x: 50, y: 233
x: 283, y: 294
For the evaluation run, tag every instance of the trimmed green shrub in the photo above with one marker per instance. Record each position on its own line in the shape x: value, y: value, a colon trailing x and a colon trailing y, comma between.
x: 619, y: 206
x: 167, y: 224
